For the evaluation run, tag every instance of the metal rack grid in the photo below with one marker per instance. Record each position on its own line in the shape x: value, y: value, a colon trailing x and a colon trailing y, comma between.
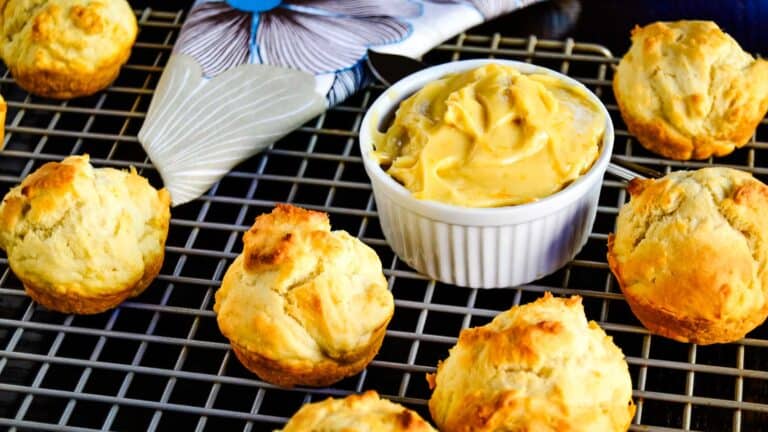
x: 159, y: 362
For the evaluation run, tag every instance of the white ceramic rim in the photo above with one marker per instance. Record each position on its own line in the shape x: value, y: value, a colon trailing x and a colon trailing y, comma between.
x: 467, y: 215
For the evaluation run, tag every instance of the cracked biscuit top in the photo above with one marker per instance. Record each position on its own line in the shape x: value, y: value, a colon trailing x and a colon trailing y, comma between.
x: 71, y: 228
x: 537, y: 367
x: 302, y: 294
x: 358, y: 412
x: 691, y: 256
x: 687, y: 90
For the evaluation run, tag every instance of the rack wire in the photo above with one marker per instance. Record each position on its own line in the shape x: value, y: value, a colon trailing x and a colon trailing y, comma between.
x: 159, y: 362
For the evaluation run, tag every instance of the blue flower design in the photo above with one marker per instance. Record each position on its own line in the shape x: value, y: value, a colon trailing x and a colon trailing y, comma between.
x: 347, y: 82
x: 317, y: 36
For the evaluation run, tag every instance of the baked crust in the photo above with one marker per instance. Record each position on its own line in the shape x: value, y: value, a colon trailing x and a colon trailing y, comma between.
x: 686, y: 90
x: 83, y: 239
x: 320, y: 374
x: 66, y: 48
x: 365, y: 411
x: 689, y: 254
x: 540, y: 366
x: 3, y: 111
x: 303, y: 305
x: 70, y: 302
x: 275, y: 238
x: 63, y: 84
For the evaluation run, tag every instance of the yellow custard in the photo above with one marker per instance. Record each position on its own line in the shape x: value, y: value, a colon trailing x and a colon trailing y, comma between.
x: 491, y: 137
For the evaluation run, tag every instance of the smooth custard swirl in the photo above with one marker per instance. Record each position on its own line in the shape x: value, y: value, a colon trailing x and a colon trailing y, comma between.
x: 491, y: 137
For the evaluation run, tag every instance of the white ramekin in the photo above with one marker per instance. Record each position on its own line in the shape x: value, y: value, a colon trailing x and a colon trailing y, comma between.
x: 482, y: 247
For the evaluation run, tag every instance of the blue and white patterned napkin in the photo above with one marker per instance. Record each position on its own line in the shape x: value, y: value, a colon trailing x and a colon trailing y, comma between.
x: 245, y: 73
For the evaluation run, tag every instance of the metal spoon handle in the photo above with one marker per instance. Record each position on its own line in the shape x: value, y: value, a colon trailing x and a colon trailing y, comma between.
x: 622, y: 173
x: 623, y: 167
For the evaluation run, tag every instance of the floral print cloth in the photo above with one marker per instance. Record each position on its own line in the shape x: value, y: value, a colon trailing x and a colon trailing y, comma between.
x: 317, y: 36
x: 322, y: 45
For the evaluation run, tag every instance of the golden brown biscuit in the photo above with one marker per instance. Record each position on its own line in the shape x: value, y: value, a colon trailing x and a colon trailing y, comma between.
x: 303, y: 305
x: 83, y: 239
x: 687, y: 90
x: 537, y: 367
x: 66, y: 48
x: 690, y: 254
x: 356, y: 413
x: 3, y: 110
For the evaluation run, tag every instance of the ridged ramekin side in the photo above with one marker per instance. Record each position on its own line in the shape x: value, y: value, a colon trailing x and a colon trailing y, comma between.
x: 487, y: 256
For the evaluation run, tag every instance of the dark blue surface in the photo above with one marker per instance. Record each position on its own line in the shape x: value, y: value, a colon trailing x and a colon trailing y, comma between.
x: 742, y: 19
x: 608, y: 22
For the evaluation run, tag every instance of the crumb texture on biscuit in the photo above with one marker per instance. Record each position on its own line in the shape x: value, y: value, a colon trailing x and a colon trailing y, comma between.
x: 362, y: 412
x: 301, y: 295
x: 690, y: 254
x: 687, y: 90
x: 74, y: 230
x: 65, y: 48
x: 536, y: 367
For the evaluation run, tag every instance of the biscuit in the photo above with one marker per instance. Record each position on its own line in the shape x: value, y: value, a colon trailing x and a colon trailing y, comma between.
x: 690, y: 254
x: 66, y: 48
x: 3, y: 111
x: 83, y: 239
x: 363, y: 412
x: 303, y: 305
x: 536, y: 367
x: 687, y: 90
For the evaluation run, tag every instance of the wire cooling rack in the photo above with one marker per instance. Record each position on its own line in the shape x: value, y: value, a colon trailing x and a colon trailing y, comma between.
x: 158, y: 362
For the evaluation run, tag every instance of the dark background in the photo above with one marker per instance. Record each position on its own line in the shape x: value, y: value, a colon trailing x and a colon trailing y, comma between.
x: 608, y: 22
